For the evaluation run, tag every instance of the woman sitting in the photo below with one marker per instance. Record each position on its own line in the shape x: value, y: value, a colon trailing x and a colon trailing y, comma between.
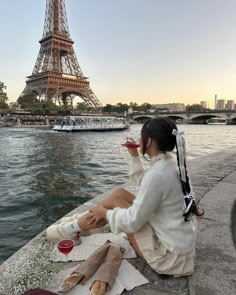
x: 160, y: 221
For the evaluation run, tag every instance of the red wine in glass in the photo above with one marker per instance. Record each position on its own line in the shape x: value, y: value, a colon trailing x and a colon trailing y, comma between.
x: 131, y: 145
x: 65, y: 247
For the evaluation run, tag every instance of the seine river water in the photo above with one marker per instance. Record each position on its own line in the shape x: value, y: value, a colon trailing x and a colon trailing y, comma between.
x: 45, y: 174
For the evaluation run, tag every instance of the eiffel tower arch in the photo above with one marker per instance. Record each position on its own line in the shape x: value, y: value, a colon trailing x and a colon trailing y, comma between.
x: 57, y: 76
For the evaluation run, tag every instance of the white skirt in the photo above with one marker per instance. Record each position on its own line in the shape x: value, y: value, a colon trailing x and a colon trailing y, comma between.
x: 160, y: 258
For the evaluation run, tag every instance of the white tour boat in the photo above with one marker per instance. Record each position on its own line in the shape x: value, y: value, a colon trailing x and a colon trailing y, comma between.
x: 91, y: 123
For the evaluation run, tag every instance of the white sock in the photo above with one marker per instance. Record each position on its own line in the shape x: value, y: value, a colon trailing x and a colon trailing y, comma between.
x: 71, y: 227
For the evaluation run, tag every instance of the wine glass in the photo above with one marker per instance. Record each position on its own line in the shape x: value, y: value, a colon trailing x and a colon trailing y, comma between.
x: 65, y: 247
x: 131, y: 145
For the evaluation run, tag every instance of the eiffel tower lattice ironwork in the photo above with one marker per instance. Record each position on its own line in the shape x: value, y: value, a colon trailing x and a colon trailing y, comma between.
x: 57, y: 75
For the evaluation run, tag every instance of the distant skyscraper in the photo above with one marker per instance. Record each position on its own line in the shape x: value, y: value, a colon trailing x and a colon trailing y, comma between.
x: 215, y: 101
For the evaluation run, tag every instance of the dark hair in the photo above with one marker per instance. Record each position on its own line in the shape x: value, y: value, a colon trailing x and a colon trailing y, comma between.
x: 160, y: 130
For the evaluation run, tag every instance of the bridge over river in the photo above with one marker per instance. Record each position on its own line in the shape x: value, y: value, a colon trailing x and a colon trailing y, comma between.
x: 187, y: 117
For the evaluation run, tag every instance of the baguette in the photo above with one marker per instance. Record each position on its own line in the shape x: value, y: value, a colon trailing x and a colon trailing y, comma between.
x: 98, y: 288
x: 70, y: 282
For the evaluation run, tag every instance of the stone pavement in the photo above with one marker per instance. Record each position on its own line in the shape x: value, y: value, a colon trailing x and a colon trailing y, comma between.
x: 216, y: 265
x: 213, y: 179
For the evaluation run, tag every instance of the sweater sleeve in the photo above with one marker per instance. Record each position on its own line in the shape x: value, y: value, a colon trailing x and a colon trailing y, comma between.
x: 136, y: 171
x: 131, y: 219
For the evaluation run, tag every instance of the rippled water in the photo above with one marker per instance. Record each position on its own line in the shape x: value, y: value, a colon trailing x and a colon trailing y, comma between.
x: 45, y: 174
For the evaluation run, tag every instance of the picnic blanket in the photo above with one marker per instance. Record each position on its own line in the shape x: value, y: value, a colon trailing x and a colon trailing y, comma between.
x: 91, y: 243
x: 128, y: 277
x: 94, y: 250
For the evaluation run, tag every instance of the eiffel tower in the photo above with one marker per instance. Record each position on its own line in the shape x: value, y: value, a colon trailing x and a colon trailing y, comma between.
x: 57, y: 76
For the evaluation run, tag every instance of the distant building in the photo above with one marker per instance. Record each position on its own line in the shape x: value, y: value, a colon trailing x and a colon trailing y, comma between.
x: 174, y: 107
x: 220, y: 105
x: 230, y: 104
x: 204, y: 104
x: 215, y: 101
x: 130, y: 110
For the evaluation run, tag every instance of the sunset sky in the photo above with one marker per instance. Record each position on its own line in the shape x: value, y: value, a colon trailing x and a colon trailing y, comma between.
x: 155, y: 51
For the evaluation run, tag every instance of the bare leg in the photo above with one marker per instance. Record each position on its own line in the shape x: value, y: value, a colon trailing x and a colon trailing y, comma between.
x: 119, y: 198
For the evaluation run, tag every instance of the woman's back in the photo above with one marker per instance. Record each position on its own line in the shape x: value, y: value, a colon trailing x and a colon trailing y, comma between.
x: 167, y: 220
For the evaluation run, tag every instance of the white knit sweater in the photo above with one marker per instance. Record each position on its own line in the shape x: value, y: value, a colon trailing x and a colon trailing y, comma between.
x: 159, y: 202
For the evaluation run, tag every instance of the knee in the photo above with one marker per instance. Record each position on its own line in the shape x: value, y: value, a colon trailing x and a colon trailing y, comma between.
x: 120, y: 191
x: 119, y: 194
x: 118, y: 197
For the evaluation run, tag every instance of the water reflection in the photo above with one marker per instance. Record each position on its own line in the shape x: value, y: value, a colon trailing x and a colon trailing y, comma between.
x: 58, y: 176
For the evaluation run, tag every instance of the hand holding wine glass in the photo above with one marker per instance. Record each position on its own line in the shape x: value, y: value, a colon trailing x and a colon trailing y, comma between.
x: 132, y: 146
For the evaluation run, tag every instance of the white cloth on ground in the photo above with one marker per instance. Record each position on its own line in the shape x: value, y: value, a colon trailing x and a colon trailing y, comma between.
x: 128, y: 278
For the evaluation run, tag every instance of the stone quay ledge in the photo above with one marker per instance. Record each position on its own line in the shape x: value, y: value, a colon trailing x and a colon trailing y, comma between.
x: 213, y: 178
